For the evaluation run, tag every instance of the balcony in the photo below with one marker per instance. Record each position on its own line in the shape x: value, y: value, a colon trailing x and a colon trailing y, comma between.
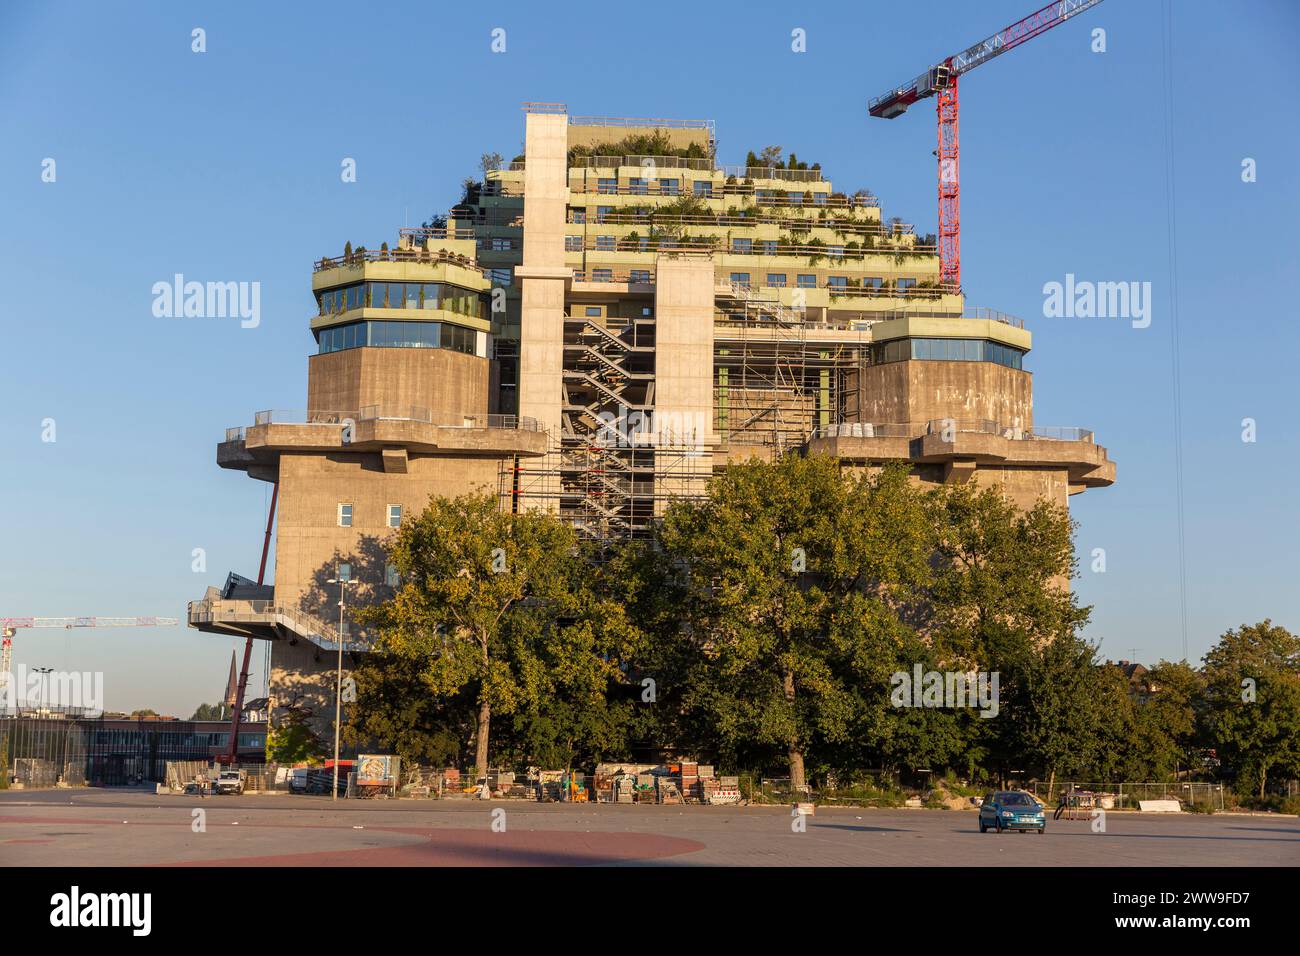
x: 392, y: 431
x: 962, y: 446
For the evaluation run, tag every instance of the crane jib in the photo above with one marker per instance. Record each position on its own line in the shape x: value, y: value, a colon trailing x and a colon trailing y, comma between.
x: 896, y: 101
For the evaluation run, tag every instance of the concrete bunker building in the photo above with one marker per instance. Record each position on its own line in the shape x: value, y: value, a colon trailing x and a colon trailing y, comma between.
x: 594, y: 329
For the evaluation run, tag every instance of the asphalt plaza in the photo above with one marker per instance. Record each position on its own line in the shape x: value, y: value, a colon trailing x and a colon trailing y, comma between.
x: 136, y: 828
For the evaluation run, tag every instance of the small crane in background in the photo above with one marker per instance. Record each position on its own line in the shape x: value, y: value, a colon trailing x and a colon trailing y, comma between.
x: 9, y: 627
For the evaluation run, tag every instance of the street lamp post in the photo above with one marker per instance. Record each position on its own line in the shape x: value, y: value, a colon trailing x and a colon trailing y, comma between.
x: 40, y: 686
x: 342, y: 577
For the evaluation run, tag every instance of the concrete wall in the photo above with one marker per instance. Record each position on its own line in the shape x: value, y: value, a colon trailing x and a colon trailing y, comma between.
x: 542, y: 275
x: 308, y: 536
x: 683, y: 401
x: 916, y: 392
x: 449, y: 384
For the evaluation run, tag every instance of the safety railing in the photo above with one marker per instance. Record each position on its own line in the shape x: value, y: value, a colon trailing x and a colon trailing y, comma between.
x: 281, y: 416
x: 405, y: 413
x: 656, y: 162
x: 740, y: 219
x: 949, y: 426
x: 772, y: 172
x: 865, y: 430
x: 362, y: 256
x: 754, y: 247
x: 626, y: 121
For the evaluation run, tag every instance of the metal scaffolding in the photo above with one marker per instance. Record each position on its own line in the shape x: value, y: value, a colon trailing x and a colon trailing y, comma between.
x: 775, y: 381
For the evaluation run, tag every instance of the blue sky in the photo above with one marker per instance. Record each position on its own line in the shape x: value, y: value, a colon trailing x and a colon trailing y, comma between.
x: 225, y: 166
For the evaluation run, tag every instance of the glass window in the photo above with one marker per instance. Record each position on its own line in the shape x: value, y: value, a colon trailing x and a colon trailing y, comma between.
x: 603, y: 211
x: 807, y: 281
x: 767, y: 247
x: 819, y: 199
x: 740, y: 278
x: 593, y: 310
x: 413, y: 290
x: 906, y: 284
x: 579, y: 215
x: 636, y: 186
x: 345, y: 515
x: 573, y: 243
x: 873, y: 282
x: 601, y: 275
x: 837, y: 282
x: 743, y: 246
x: 607, y: 185
x: 669, y: 187
x: 355, y: 297
x: 836, y: 252
x: 921, y: 349
x: 605, y: 243
x: 394, y: 516
x: 390, y: 575
x: 776, y: 279
x: 703, y: 189
x: 641, y: 276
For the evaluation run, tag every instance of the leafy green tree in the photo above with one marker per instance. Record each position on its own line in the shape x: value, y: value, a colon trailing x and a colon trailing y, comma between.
x: 1253, y: 703
x: 293, y: 740
x: 479, y: 590
x: 217, y: 711
x: 395, y: 711
x: 791, y: 577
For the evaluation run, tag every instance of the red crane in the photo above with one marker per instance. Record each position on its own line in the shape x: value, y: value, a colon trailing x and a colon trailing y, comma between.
x: 941, y: 80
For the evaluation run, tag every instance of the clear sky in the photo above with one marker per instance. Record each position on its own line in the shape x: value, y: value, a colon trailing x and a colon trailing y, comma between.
x: 225, y: 166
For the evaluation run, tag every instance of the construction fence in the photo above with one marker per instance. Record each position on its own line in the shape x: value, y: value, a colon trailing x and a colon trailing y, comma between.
x: 1127, y: 796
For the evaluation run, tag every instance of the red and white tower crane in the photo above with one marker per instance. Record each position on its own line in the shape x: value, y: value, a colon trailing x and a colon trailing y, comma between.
x: 941, y: 80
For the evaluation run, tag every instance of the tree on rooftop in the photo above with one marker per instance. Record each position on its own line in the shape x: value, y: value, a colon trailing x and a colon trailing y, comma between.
x: 489, y: 163
x: 770, y: 157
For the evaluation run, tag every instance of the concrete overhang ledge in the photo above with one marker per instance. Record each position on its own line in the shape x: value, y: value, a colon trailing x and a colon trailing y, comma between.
x: 542, y: 272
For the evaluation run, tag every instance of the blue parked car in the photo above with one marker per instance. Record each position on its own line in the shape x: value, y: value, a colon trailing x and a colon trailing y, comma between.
x: 1011, y: 810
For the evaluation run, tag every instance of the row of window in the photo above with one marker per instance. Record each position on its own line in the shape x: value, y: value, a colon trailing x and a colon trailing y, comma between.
x: 808, y: 280
x: 401, y: 295
x: 398, y: 335
x: 701, y: 188
x: 947, y: 350
x: 744, y: 247
x: 345, y: 521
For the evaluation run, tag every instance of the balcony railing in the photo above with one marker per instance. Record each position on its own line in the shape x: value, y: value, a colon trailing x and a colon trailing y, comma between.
x: 771, y: 172
x: 751, y: 248
x: 396, y: 255
x: 939, y: 426
x: 865, y: 430
x: 400, y: 413
x: 942, y: 426
x: 721, y: 190
x: 658, y: 162
x: 742, y: 220
x: 631, y: 121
